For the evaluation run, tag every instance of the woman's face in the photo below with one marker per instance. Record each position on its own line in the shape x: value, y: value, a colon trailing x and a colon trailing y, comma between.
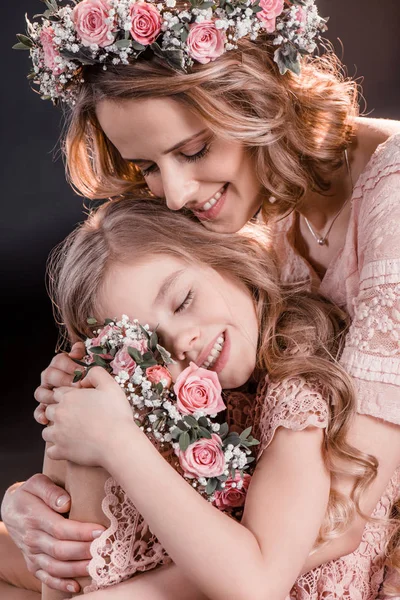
x: 201, y: 316
x: 183, y: 162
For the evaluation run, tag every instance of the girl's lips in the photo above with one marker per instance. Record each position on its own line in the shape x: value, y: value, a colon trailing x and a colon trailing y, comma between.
x: 223, y: 358
x: 213, y: 212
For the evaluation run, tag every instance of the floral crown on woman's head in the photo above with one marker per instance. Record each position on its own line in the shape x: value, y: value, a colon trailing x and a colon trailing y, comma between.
x: 74, y: 33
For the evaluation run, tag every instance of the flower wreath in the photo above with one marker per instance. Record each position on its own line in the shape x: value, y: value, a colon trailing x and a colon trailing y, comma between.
x: 186, y: 415
x: 74, y: 33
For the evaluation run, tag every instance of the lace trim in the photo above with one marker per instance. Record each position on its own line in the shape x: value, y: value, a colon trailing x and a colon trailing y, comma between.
x: 294, y: 404
x: 380, y: 272
x: 126, y: 547
x: 359, y: 575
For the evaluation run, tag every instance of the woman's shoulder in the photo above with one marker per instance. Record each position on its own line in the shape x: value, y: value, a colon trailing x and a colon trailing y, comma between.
x: 379, y: 150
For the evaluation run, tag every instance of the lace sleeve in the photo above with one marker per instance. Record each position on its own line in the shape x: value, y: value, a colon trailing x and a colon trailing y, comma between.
x: 372, y: 351
x: 294, y: 404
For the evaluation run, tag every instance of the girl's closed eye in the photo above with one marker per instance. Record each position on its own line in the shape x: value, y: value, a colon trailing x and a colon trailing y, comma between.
x: 187, y: 157
x: 187, y: 301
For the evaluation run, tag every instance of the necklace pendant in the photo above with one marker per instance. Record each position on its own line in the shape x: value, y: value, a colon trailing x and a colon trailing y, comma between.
x: 321, y: 241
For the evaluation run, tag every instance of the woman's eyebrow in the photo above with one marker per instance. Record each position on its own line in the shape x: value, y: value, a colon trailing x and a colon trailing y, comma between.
x: 178, y: 145
x: 168, y: 282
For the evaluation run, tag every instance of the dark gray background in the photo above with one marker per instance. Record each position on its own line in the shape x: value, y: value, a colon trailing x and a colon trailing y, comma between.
x: 39, y: 208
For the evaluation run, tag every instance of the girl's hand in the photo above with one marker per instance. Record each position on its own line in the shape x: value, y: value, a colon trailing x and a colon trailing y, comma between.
x: 59, y: 373
x: 85, y: 419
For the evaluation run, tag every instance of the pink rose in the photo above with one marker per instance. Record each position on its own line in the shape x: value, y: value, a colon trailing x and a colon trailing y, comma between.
x: 204, y: 458
x: 198, y: 389
x: 91, y: 22
x: 159, y: 374
x: 146, y: 23
x: 99, y: 341
x: 123, y: 362
x: 270, y: 10
x: 301, y: 16
x: 205, y: 42
x: 49, y: 50
x: 232, y: 497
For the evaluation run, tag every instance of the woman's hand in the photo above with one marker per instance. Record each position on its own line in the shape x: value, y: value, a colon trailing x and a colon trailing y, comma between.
x: 85, y: 419
x: 59, y: 373
x: 56, y: 550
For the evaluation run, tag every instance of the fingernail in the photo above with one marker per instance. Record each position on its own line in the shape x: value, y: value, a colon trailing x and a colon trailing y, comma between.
x: 62, y: 500
x: 97, y: 533
x: 71, y: 588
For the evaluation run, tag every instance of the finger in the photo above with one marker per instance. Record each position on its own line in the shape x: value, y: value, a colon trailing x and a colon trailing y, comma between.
x: 39, y: 415
x: 50, y: 412
x: 57, y: 568
x: 53, y: 377
x: 61, y: 550
x: 63, y: 585
x: 78, y: 350
x: 61, y: 392
x: 70, y: 530
x: 44, y: 395
x: 98, y: 377
x: 64, y: 362
x: 55, y: 497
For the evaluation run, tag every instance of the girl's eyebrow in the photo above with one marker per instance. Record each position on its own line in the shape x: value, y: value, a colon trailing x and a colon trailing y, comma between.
x: 168, y: 282
x: 176, y: 147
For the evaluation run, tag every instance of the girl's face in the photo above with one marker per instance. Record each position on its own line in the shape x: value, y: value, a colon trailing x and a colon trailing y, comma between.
x: 183, y: 162
x: 200, y: 315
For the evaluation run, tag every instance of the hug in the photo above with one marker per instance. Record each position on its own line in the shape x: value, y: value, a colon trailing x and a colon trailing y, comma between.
x: 253, y: 212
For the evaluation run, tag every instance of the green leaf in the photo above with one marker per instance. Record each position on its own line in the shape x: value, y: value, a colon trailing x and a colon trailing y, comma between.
x: 98, y: 350
x: 177, y: 26
x: 145, y: 332
x: 233, y: 472
x: 287, y: 59
x: 159, y: 388
x: 153, y: 341
x: 190, y: 421
x: 108, y: 321
x: 20, y: 46
x: 256, y: 9
x: 205, y: 5
x: 250, y: 459
x: 181, y: 425
x: 99, y: 361
x: 165, y: 355
x: 205, y: 433
x: 203, y: 422
x: 123, y: 43
x: 211, y: 485
x: 245, y: 433
x: 23, y: 39
x: 148, y: 363
x: 78, y: 376
x: 184, y: 34
x: 91, y: 321
x: 31, y: 76
x: 79, y: 362
x: 233, y: 439
x: 135, y: 354
x: 175, y: 433
x: 184, y: 441
x: 137, y: 46
x: 223, y: 430
x: 193, y: 435
x: 138, y: 423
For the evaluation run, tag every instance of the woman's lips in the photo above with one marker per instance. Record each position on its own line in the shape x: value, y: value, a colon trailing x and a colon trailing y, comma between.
x: 213, y: 212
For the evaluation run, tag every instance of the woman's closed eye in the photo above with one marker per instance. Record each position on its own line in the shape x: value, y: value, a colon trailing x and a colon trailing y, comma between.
x: 187, y: 301
x: 151, y: 169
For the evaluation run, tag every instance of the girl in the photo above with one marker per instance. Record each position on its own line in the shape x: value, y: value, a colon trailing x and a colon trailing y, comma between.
x: 196, y: 286
x: 225, y: 139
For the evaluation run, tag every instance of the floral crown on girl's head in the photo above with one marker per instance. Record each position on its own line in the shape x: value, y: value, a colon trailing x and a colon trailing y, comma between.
x: 74, y: 33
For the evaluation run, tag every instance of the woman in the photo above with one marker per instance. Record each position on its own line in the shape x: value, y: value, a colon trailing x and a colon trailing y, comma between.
x: 234, y: 136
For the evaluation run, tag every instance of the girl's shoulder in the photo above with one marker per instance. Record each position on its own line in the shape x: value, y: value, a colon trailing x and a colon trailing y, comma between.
x: 294, y: 403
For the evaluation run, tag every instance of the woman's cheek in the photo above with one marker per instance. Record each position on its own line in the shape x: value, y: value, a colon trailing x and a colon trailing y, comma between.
x: 154, y: 184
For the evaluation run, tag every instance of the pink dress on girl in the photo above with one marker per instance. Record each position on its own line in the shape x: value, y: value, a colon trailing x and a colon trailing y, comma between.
x: 365, y: 279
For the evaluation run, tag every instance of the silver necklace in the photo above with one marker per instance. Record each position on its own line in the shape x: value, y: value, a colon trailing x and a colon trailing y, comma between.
x: 321, y: 239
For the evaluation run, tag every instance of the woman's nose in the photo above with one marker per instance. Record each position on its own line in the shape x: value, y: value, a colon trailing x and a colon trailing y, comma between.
x: 184, y: 344
x: 180, y: 189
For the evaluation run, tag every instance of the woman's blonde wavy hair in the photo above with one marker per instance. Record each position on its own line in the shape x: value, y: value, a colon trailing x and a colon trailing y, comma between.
x: 295, y: 127
x: 301, y: 334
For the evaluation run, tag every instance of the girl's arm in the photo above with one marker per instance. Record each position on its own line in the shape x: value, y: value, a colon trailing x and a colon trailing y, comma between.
x: 85, y: 486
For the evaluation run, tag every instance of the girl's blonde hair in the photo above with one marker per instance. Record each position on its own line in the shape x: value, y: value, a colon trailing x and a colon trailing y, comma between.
x: 301, y: 334
x: 295, y: 127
